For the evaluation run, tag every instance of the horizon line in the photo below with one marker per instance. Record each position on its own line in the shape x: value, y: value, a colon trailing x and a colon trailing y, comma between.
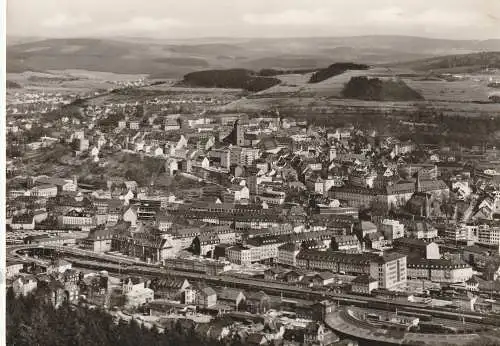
x: 104, y: 36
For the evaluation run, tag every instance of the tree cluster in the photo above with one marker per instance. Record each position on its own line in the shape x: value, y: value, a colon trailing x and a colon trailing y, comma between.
x: 375, y: 89
x: 29, y: 321
x: 269, y: 72
x: 334, y: 70
x: 232, y: 78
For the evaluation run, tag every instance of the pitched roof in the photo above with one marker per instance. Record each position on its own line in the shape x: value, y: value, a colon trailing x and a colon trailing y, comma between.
x: 363, y: 279
x: 325, y: 275
x: 208, y: 291
x: 22, y: 219
x: 256, y: 295
x: 228, y: 293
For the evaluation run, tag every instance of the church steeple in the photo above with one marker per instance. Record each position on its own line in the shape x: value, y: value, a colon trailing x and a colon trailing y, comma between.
x: 417, y: 183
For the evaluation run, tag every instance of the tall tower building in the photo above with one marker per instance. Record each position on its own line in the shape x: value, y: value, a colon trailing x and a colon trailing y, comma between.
x: 240, y: 134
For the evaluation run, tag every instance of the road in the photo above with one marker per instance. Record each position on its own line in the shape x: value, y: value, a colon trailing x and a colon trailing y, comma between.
x: 341, y: 321
x: 12, y: 251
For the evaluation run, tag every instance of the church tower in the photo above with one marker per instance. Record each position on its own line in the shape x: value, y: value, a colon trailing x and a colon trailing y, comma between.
x: 240, y: 135
x: 418, y: 187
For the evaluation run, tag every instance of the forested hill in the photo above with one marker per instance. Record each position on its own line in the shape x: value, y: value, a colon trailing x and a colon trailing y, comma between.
x: 232, y: 78
x: 457, y: 63
x: 375, y: 89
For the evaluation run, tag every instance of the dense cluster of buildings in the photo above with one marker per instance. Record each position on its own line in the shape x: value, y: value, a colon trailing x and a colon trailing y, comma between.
x: 307, y: 203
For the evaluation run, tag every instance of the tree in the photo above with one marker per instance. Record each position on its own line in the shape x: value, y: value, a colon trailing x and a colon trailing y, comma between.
x: 30, y: 321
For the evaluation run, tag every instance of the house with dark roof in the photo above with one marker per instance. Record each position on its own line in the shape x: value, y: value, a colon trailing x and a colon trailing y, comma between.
x: 417, y: 248
x: 231, y: 297
x: 375, y: 241
x: 287, y: 254
x: 205, y: 243
x: 439, y: 270
x: 317, y: 333
x: 323, y: 278
x: 292, y: 276
x: 364, y: 284
x: 257, y: 302
x: 273, y: 273
x: 169, y: 287
x: 200, y: 295
x: 98, y: 240
x: 345, y: 243
x: 147, y: 245
x: 24, y: 222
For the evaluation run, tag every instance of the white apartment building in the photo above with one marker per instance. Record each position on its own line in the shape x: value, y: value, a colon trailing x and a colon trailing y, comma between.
x: 287, y: 254
x: 392, y: 229
x: 482, y: 234
x: 487, y: 235
x: 44, y: 191
x: 239, y: 254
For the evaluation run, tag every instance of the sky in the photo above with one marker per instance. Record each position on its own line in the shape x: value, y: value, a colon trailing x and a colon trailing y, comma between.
x: 455, y: 19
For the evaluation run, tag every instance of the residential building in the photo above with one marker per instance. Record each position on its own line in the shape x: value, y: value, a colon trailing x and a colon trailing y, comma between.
x: 13, y: 268
x: 439, y: 270
x: 392, y: 229
x: 364, y: 284
x: 390, y: 270
x: 417, y: 248
x: 287, y: 254
x: 45, y: 190
x: 23, y: 222
x: 99, y: 240
x: 24, y: 285
x: 76, y: 218
x: 169, y: 288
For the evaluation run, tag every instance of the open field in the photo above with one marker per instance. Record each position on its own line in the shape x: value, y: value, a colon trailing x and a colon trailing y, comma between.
x: 65, y: 82
x: 30, y: 78
x: 306, y: 105
x: 471, y: 88
x: 166, y: 91
x: 189, y: 90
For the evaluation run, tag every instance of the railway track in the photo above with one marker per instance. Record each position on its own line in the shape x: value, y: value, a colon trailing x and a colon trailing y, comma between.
x: 122, y: 266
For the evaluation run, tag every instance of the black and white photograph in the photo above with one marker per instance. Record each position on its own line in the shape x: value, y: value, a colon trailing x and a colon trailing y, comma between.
x: 250, y: 172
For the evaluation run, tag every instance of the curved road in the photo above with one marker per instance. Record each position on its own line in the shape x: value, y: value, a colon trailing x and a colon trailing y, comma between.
x: 341, y: 321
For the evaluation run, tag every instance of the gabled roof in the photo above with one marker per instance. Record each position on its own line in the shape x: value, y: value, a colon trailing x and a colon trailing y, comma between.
x: 256, y: 295
x: 169, y: 283
x: 22, y: 219
x: 364, y: 279
x: 228, y: 293
x: 325, y: 275
x: 208, y: 291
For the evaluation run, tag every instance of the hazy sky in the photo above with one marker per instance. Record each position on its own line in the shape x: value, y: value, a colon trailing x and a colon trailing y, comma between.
x: 254, y: 18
